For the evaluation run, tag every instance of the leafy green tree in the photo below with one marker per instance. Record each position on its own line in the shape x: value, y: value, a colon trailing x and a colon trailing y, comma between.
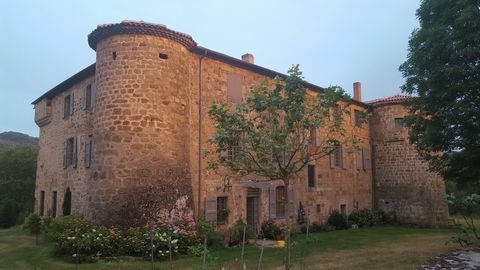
x: 17, y: 183
x: 272, y: 131
x: 33, y: 223
x: 443, y: 70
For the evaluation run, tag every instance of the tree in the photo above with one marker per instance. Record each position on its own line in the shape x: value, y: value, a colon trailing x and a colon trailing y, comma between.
x: 271, y: 133
x: 18, y: 167
x: 443, y: 70
x: 33, y: 223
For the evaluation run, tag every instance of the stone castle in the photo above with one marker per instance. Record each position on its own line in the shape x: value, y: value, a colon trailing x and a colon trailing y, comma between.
x: 125, y: 139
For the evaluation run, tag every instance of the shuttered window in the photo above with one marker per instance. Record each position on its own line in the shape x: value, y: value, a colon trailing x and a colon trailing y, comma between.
x: 234, y: 88
x: 88, y: 97
x: 366, y: 159
x: 356, y: 118
x: 311, y: 176
x: 211, y: 209
x: 280, y: 193
x: 68, y: 105
x: 70, y: 153
x: 88, y: 153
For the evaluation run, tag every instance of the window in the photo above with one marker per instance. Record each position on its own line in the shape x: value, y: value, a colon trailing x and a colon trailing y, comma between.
x: 343, y: 209
x: 68, y: 106
x: 88, y: 97
x: 311, y: 176
x: 234, y: 88
x: 338, y: 156
x: 336, y: 114
x: 233, y: 149
x: 70, y: 152
x: 280, y: 205
x: 67, y: 203
x: 399, y: 123
x: 222, y: 210
x: 313, y: 136
x: 357, y: 119
x: 41, y: 207
x: 54, y: 204
x: 319, y: 208
x: 88, y: 153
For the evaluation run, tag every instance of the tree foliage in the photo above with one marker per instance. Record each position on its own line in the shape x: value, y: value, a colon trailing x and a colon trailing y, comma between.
x: 273, y: 128
x: 17, y: 184
x: 443, y: 70
x: 278, y: 131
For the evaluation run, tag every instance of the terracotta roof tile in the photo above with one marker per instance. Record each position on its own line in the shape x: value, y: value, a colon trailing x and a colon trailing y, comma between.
x: 398, y: 98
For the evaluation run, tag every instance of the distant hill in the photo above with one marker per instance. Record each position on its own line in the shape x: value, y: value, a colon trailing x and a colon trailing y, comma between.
x: 11, y: 138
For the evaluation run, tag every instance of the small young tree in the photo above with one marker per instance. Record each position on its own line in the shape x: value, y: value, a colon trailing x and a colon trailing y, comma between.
x: 278, y: 131
x: 33, y: 224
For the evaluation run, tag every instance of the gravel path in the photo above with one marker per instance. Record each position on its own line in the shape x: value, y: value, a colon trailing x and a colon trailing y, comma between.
x: 455, y: 260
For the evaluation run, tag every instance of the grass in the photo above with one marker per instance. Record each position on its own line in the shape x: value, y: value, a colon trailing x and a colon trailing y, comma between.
x: 389, y: 247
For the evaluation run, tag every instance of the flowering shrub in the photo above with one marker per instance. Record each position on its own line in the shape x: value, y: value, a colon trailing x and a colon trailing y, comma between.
x: 76, y: 236
x: 270, y: 230
x: 367, y: 217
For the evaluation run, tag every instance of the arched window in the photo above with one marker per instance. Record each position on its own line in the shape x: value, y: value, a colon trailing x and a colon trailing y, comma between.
x: 67, y: 203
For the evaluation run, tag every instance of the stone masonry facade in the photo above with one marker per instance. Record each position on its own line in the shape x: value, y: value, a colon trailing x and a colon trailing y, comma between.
x: 127, y: 137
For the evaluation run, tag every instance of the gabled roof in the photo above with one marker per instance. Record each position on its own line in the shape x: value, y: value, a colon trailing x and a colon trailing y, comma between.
x: 395, y: 99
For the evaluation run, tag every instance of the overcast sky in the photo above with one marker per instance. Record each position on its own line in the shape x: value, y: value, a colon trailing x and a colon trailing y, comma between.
x: 335, y: 42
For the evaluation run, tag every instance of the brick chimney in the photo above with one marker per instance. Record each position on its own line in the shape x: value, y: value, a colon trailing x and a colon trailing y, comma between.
x: 357, y: 91
x: 248, y: 57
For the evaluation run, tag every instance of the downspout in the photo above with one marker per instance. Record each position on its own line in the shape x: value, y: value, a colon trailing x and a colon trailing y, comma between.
x: 199, y: 199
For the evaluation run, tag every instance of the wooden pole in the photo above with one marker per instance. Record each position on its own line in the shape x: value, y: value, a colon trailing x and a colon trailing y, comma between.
x: 243, y: 246
x: 261, y: 255
x: 204, y: 253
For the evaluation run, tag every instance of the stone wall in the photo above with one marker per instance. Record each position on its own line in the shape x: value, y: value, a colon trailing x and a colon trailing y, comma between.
x: 145, y: 132
x: 403, y: 183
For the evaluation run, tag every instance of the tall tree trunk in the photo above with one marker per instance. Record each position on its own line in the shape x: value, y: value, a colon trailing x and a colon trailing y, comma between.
x: 287, y: 219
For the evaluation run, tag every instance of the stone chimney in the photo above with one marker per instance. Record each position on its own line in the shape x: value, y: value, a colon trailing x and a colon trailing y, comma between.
x: 357, y: 91
x: 248, y: 57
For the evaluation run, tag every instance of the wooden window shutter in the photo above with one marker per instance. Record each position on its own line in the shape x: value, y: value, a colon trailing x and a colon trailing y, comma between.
x: 352, y: 117
x: 85, y: 97
x: 273, y: 202
x: 72, y: 104
x: 211, y: 209
x: 359, y: 160
x: 332, y: 159
x: 65, y: 154
x: 93, y: 95
x: 234, y: 88
x: 291, y: 200
x: 344, y: 157
x: 366, y: 159
x: 74, y: 152
x: 88, y: 154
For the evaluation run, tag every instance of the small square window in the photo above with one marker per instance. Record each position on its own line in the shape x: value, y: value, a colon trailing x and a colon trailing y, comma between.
x: 399, y: 123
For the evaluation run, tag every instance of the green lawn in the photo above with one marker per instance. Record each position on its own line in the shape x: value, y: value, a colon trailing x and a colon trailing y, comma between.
x: 388, y: 247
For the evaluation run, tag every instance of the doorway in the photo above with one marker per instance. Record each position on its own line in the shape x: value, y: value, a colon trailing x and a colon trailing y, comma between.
x: 253, y: 204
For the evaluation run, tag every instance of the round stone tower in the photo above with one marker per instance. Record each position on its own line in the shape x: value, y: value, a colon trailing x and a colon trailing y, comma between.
x: 403, y: 183
x: 141, y: 124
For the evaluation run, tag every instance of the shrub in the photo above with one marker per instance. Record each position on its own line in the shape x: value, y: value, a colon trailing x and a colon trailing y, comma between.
x: 33, y: 223
x: 270, y: 230
x: 236, y: 233
x: 367, y: 217
x: 338, y: 220
x: 316, y: 227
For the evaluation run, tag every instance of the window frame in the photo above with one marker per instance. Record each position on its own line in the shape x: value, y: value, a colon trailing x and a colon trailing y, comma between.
x: 399, y: 122
x: 357, y: 118
x: 280, y: 203
x: 311, y: 178
x: 67, y: 103
x: 222, y: 216
x: 88, y: 97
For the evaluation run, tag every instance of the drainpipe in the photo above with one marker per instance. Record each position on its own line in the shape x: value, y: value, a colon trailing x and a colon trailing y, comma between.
x: 199, y: 199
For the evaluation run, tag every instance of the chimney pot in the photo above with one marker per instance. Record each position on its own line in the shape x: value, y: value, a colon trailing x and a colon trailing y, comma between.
x: 248, y: 57
x: 357, y: 91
